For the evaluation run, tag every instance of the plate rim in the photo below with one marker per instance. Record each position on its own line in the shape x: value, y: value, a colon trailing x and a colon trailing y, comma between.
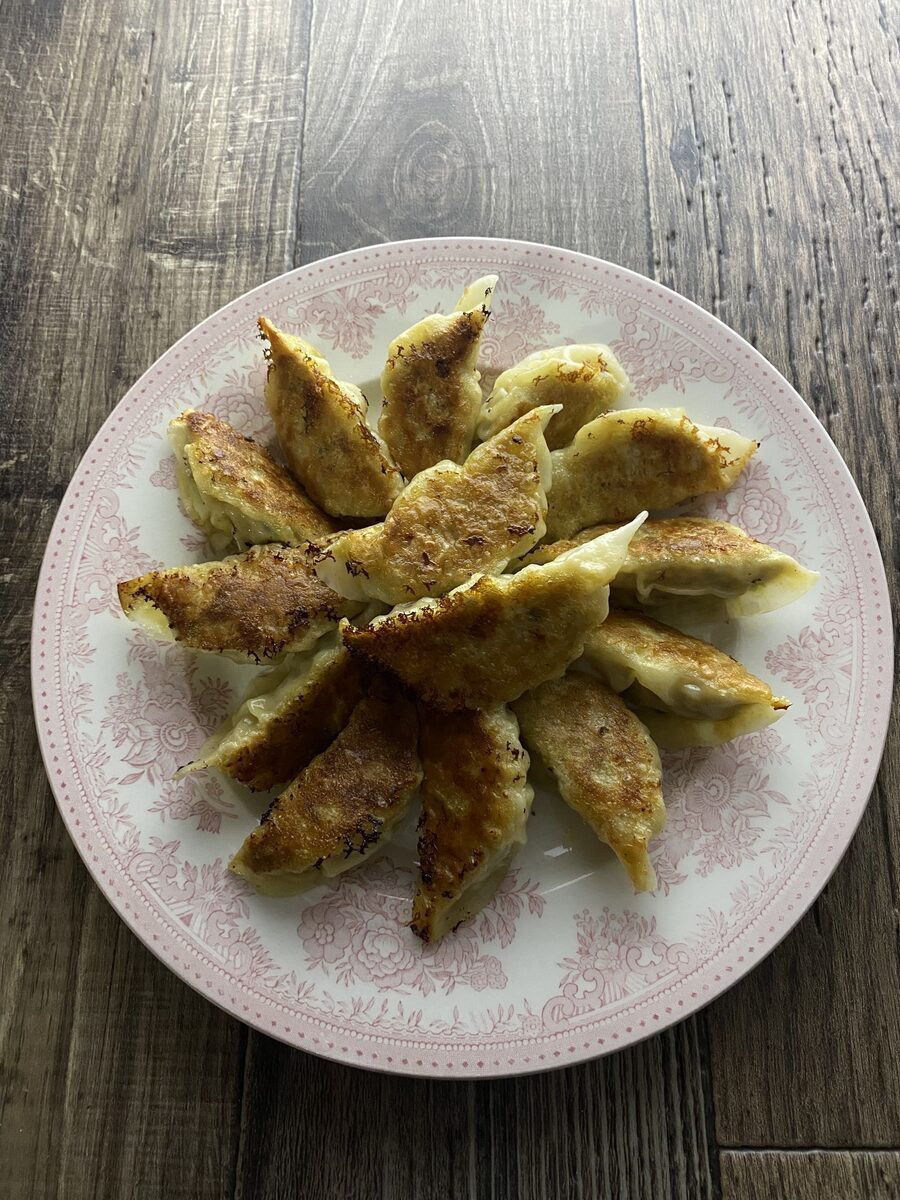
x: 456, y: 1069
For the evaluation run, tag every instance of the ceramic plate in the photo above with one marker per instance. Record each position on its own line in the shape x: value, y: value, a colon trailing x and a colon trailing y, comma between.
x: 567, y: 962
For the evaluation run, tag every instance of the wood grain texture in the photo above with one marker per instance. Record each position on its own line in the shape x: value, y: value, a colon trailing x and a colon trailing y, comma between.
x: 779, y: 217
x: 810, y: 1176
x: 477, y: 121
x: 631, y: 1125
x: 149, y: 171
x: 159, y: 158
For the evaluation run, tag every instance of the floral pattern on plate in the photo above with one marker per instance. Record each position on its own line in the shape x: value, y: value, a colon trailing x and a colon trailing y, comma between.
x: 567, y: 962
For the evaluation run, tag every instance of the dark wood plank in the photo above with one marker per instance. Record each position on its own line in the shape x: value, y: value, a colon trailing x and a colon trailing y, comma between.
x: 474, y: 122
x: 631, y: 1125
x: 772, y: 205
x: 818, y: 1175
x: 149, y: 172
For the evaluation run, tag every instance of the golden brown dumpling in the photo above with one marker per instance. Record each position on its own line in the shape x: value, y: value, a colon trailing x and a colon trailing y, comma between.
x: 493, y: 638
x: 430, y: 386
x: 685, y: 691
x: 475, y: 805
x: 604, y: 762
x: 321, y: 426
x: 343, y: 806
x: 287, y: 716
x: 235, y: 492
x: 696, y: 567
x: 252, y: 607
x: 584, y: 380
x: 636, y: 459
x: 450, y: 522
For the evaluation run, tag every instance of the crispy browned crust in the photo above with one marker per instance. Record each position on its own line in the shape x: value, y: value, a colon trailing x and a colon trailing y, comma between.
x: 620, y: 464
x: 635, y: 635
x: 584, y: 389
x: 259, y: 604
x: 238, y: 467
x: 323, y: 433
x: 301, y: 731
x: 431, y: 397
x: 339, y: 803
x: 604, y: 762
x: 454, y: 522
x: 691, y: 540
x: 474, y: 648
x: 474, y: 803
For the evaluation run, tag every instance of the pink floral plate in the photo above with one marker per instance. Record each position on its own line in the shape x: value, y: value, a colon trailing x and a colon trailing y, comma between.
x: 567, y: 962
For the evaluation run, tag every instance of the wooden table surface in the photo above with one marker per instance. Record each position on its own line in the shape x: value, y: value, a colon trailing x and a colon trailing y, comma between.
x: 157, y: 157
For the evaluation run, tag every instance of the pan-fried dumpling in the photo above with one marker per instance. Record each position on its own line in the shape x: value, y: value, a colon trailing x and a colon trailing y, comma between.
x: 491, y: 639
x: 604, y: 762
x: 639, y: 458
x: 287, y: 716
x: 585, y: 380
x: 450, y: 521
x: 341, y: 807
x: 235, y: 492
x: 685, y: 691
x: 321, y: 426
x: 251, y: 607
x: 475, y: 806
x: 431, y: 392
x: 695, y: 567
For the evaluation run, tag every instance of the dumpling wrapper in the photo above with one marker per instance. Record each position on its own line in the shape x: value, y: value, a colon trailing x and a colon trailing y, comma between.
x: 639, y: 458
x: 696, y: 567
x: 431, y: 394
x: 321, y: 427
x: 687, y: 692
x: 250, y: 607
x: 604, y: 763
x: 491, y: 639
x: 235, y: 492
x: 475, y: 804
x: 288, y: 716
x: 450, y: 522
x: 584, y: 380
x: 341, y: 807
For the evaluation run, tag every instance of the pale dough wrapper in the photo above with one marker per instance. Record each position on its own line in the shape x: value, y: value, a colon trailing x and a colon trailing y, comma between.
x: 639, y: 458
x: 696, y: 568
x: 321, y: 427
x: 234, y: 490
x: 604, y: 762
x: 430, y: 385
x: 252, y: 607
x: 493, y: 638
x: 341, y: 807
x: 475, y: 804
x: 584, y: 380
x: 450, y: 522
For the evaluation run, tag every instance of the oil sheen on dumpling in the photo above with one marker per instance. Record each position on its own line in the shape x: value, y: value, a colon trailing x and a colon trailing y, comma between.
x: 321, y: 426
x: 491, y: 639
x: 585, y: 380
x: 287, y: 716
x: 252, y: 607
x: 235, y: 492
x: 639, y: 458
x: 341, y: 807
x: 430, y: 386
x: 604, y: 762
x: 695, y: 567
x: 687, y: 692
x: 450, y: 522
x: 475, y: 805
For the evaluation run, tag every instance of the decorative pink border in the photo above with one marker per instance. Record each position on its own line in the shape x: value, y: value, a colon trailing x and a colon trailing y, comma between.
x: 607, y: 1030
